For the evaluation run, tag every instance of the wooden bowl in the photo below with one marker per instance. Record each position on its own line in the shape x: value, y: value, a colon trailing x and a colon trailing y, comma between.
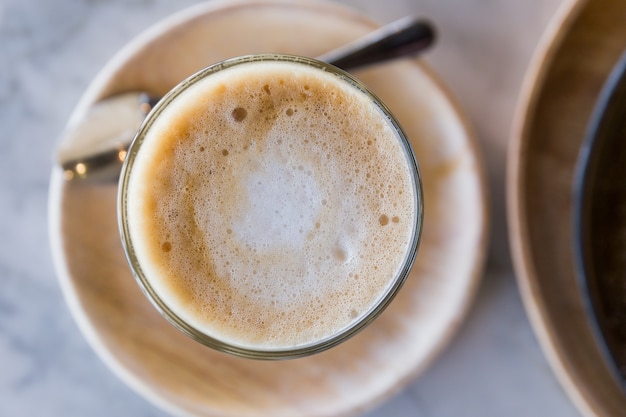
x: 186, y: 378
x: 578, y: 51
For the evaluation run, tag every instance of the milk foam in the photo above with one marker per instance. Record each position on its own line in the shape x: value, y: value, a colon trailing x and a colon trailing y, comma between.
x: 281, y: 204
x: 270, y: 205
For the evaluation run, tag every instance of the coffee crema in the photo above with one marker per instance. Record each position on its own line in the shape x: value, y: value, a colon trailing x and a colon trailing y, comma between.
x: 271, y: 205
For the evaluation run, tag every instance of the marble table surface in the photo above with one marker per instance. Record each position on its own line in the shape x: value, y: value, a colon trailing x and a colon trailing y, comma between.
x: 50, y: 51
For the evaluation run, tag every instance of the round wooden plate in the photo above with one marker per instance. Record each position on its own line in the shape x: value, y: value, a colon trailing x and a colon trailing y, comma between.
x: 580, y: 48
x: 186, y: 378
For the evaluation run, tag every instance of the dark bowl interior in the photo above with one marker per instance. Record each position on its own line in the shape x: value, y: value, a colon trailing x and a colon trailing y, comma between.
x: 600, y: 220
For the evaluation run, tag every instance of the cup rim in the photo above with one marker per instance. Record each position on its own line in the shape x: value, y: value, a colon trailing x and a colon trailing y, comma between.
x: 270, y: 353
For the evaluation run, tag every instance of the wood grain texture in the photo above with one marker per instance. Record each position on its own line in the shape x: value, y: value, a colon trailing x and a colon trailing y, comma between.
x: 187, y: 378
x: 579, y: 50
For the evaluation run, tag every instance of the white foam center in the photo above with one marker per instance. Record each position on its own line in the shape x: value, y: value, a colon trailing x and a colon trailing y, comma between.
x: 282, y: 204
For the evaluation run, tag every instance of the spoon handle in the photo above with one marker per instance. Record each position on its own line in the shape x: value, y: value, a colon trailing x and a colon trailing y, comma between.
x: 401, y: 38
x: 95, y: 148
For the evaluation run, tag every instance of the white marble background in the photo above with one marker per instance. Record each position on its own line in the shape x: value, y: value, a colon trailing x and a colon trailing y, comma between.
x: 49, y: 52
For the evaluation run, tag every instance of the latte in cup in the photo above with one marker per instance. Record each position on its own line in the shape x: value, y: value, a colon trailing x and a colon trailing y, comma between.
x: 270, y: 206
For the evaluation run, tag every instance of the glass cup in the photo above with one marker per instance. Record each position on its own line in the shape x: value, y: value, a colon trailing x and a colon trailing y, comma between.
x: 239, y: 312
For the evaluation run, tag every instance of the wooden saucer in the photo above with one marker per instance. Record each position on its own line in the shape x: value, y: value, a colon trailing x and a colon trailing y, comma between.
x: 581, y: 46
x: 186, y: 378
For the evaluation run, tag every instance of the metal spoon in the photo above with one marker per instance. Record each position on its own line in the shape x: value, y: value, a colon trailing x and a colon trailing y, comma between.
x: 95, y: 147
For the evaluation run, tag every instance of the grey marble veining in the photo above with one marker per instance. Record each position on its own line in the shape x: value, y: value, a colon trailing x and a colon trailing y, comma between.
x: 51, y: 50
